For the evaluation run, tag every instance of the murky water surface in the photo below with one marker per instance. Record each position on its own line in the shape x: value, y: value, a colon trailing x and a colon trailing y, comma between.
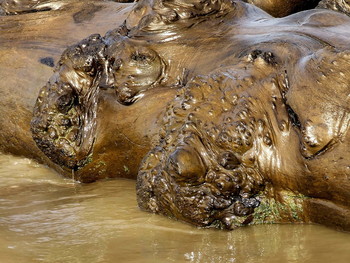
x: 45, y: 218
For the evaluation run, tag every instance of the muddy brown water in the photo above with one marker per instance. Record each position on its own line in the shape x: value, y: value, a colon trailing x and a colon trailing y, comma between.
x: 45, y: 218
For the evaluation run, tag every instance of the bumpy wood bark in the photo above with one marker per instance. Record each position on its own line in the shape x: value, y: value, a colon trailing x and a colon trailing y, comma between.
x: 241, y: 118
x: 342, y: 6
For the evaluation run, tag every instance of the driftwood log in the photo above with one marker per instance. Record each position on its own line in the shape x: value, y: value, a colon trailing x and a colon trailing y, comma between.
x: 240, y: 118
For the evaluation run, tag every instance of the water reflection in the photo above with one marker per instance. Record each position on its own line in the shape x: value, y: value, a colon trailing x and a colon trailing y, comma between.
x: 45, y: 218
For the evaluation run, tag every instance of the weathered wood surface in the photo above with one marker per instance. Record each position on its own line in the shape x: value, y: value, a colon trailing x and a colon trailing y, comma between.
x: 30, y: 45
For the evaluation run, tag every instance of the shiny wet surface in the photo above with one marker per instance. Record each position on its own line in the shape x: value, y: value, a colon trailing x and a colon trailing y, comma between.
x: 45, y: 218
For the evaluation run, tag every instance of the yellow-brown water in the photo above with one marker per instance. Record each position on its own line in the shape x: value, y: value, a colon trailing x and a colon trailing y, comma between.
x: 45, y: 218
